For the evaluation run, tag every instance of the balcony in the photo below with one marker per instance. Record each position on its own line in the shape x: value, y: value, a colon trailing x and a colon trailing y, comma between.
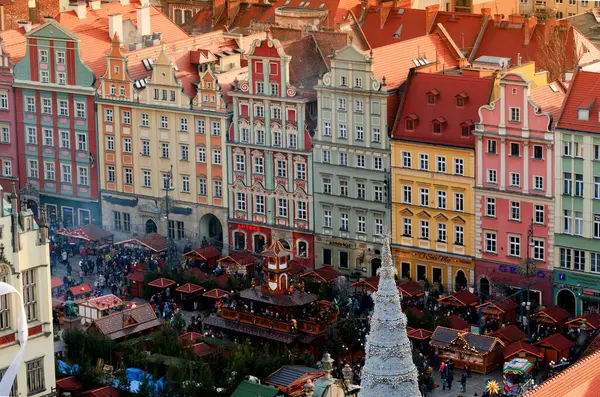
x: 307, y: 327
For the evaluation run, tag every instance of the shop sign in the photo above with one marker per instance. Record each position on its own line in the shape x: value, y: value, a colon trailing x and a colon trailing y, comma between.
x: 248, y: 227
x: 590, y: 292
x: 515, y: 270
x: 341, y: 243
x: 430, y: 257
x: 574, y: 279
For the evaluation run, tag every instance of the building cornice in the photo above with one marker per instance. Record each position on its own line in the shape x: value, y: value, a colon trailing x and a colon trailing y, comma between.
x: 54, y: 87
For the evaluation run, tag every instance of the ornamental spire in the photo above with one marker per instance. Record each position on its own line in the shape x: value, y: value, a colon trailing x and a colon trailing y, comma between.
x: 389, y: 369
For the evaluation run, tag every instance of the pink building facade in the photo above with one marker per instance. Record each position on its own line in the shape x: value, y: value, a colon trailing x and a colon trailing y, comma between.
x: 514, y: 205
x: 8, y: 138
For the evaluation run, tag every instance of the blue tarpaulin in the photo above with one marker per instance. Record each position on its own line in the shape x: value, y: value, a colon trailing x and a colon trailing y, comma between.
x: 67, y: 369
x: 136, y: 376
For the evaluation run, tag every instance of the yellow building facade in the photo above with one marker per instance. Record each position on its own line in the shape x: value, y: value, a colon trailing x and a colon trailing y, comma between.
x: 426, y: 205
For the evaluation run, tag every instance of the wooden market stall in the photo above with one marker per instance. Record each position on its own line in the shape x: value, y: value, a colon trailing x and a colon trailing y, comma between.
x: 524, y: 350
x: 458, y: 323
x: 325, y: 274
x: 503, y: 312
x: 554, y: 347
x: 57, y: 286
x: 238, y: 262
x: 591, y: 320
x: 189, y: 294
x: 509, y: 334
x: 411, y: 289
x: 204, y: 258
x: 81, y: 291
x: 190, y: 338
x: 161, y: 283
x: 462, y: 298
x: 419, y: 334
x: 482, y: 353
x: 552, y: 316
x: 216, y: 294
x: 92, y: 236
x: 153, y: 242
x: 97, y: 307
x: 136, y: 284
x: 291, y: 378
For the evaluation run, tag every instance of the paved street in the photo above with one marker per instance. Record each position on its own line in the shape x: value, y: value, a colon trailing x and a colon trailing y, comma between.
x: 476, y: 384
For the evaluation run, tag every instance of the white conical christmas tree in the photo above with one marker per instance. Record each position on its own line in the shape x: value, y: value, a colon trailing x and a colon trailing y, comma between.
x: 389, y: 370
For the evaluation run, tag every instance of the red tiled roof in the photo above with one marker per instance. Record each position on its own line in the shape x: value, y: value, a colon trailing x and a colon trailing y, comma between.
x: 584, y: 87
x: 68, y: 383
x: 238, y: 257
x: 578, y: 380
x: 556, y: 313
x: 550, y: 98
x: 383, y: 25
x: 102, y: 302
x: 519, y: 346
x: 161, y: 282
x: 449, y: 85
x: 510, y: 333
x: 557, y: 341
x: 462, y: 27
x: 189, y: 288
x: 463, y: 296
x: 307, y: 64
x: 56, y: 282
x: 458, y: 323
x: 411, y: 288
x: 105, y: 391
x: 504, y: 306
x: 394, y: 61
x: 140, y: 318
x: 338, y: 9
x: 330, y: 42
x: 81, y: 289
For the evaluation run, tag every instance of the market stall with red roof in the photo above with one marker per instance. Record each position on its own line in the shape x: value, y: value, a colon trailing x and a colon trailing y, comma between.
x: 69, y: 384
x: 216, y: 294
x: 153, y: 242
x: 238, y: 262
x: 203, y: 257
x: 503, y: 312
x: 136, y: 284
x: 189, y: 338
x: 97, y: 307
x: 81, y: 291
x: 521, y: 349
x: 161, y: 283
x: 189, y: 294
x: 411, y: 289
x: 57, y: 286
x: 509, y: 334
x: 591, y: 320
x: 222, y: 280
x: 325, y: 274
x: 552, y: 316
x: 554, y: 347
x: 458, y: 323
x: 367, y: 283
x: 462, y: 298
x: 90, y: 235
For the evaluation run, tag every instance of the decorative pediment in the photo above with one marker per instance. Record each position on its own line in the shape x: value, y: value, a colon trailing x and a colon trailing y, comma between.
x: 244, y: 123
x: 258, y: 124
x: 280, y: 190
x: 423, y: 215
x: 459, y: 220
x: 239, y: 184
x: 441, y: 218
x: 300, y: 193
x: 406, y: 212
x: 280, y: 156
x: 291, y: 128
x: 257, y: 153
x: 276, y: 127
x: 299, y: 159
x: 258, y: 187
x: 29, y: 190
x: 238, y: 150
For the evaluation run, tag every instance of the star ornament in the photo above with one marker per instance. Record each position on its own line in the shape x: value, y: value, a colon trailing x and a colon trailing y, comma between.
x: 493, y: 387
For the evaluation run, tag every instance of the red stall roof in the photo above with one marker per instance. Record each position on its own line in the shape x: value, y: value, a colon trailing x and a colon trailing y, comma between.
x: 161, y: 283
x: 81, y: 289
x: 511, y: 333
x: 204, y: 254
x: 323, y: 274
x: 56, y: 282
x: 521, y: 346
x: 557, y: 342
x: 189, y: 288
x: 68, y: 383
x: 216, y: 293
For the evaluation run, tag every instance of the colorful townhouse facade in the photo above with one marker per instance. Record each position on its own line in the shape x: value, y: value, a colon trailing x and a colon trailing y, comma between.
x: 351, y: 163
x: 577, y: 198
x: 157, y: 140
x: 514, y: 204
x: 25, y: 265
x: 54, y: 90
x: 9, y: 157
x: 270, y: 155
x: 433, y: 174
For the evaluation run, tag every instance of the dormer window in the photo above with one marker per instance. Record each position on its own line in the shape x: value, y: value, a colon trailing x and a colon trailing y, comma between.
x: 432, y: 96
x: 461, y: 99
x: 583, y: 114
x: 411, y: 121
x: 438, y: 124
x: 467, y: 128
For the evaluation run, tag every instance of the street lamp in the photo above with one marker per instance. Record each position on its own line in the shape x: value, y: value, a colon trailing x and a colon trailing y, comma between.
x: 528, y: 269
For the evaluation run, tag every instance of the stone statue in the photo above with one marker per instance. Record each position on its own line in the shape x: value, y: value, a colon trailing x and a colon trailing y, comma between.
x: 71, y: 310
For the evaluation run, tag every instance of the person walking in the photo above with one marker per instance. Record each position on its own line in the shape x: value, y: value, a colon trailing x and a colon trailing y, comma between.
x: 449, y: 379
x: 463, y: 383
x: 422, y: 388
x: 468, y: 369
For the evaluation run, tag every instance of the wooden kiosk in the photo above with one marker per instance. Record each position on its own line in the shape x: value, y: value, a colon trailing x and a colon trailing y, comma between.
x: 461, y: 298
x: 500, y: 312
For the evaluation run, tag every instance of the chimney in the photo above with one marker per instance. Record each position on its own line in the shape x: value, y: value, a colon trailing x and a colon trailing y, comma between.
x: 549, y: 25
x: 115, y: 25
x: 485, y: 12
x: 497, y: 18
x: 529, y: 28
x: 515, y: 19
x: 26, y: 25
x: 95, y: 4
x: 430, y: 13
x: 80, y: 9
x: 565, y: 24
x: 143, y: 18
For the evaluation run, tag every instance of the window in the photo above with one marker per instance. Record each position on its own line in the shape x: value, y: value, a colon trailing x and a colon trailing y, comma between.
x: 63, y: 108
x: 568, y: 148
x: 327, y: 128
x: 276, y: 113
x: 407, y: 227
x: 424, y: 162
x: 4, y: 312
x: 406, y: 160
x: 82, y: 142
x: 260, y: 137
x: 110, y: 143
x: 260, y: 87
x: 326, y: 218
x: 578, y: 223
x: 515, y: 211
x: 378, y: 226
x: 60, y: 57
x: 164, y: 122
x: 515, y: 179
x: 43, y: 56
x: 344, y: 188
x: 515, y: 115
x: 145, y: 148
x: 145, y: 119
x: 539, y: 214
x: 360, y: 191
x: 344, y: 81
x: 108, y: 115
x: 490, y: 208
x: 61, y: 78
x: 459, y: 235
x: 241, y: 201
x: 113, y: 90
x: 282, y: 208
x: 202, y: 190
x: 424, y: 197
x: 147, y: 178
x: 377, y: 164
x: 441, y: 200
x: 48, y: 137
x: 45, y: 76
x: 376, y: 135
x: 327, y: 185
x: 274, y: 89
x: 183, y: 124
x: 128, y: 172
x: 539, y: 250
x: 424, y: 230
x: 240, y: 163
x: 538, y: 183
x: 567, y: 221
x: 4, y: 135
x: 216, y: 128
x: 515, y: 149
x: 259, y: 165
x: 441, y: 233
x: 378, y: 193
x: 579, y: 185
x: 360, y: 133
x: 358, y: 106
x: 492, y: 176
x: 80, y: 110
x: 301, y: 210
x: 65, y: 139
x: 84, y: 175
x: 341, y: 104
x: 407, y: 194
x: 185, y: 152
x: 326, y: 156
x: 292, y: 140
x: 565, y: 258
x: 578, y: 260
x: 30, y: 104
x: 172, y: 96
x: 32, y: 135
x: 30, y: 294
x: 344, y: 222
x: 185, y: 183
x: 342, y: 131
x: 259, y: 204
x: 259, y: 111
x: 110, y: 174
x: 277, y: 139
x: 281, y: 168
x: 164, y: 150
x: 343, y: 158
x: 6, y: 169
x: 360, y: 160
x: 218, y: 188
x: 35, y: 376
x: 596, y: 226
x: 216, y: 156
x: 596, y: 150
x: 200, y: 127
x: 596, y: 187
x: 33, y: 169
x: 538, y: 152
x: 490, y: 242
x: 440, y: 164
x: 567, y: 183
x: 459, y: 202
x: 357, y: 82
x: 410, y: 125
x: 50, y: 171
x: 514, y: 243
x: 122, y: 90
x: 459, y: 166
x: 595, y: 262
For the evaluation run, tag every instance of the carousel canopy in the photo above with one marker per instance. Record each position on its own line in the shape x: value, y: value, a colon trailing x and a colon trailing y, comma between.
x: 324, y: 274
x: 88, y: 232
x: 153, y: 241
x: 216, y: 293
x: 161, y: 283
x: 296, y: 298
x: 189, y: 288
x: 203, y: 254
